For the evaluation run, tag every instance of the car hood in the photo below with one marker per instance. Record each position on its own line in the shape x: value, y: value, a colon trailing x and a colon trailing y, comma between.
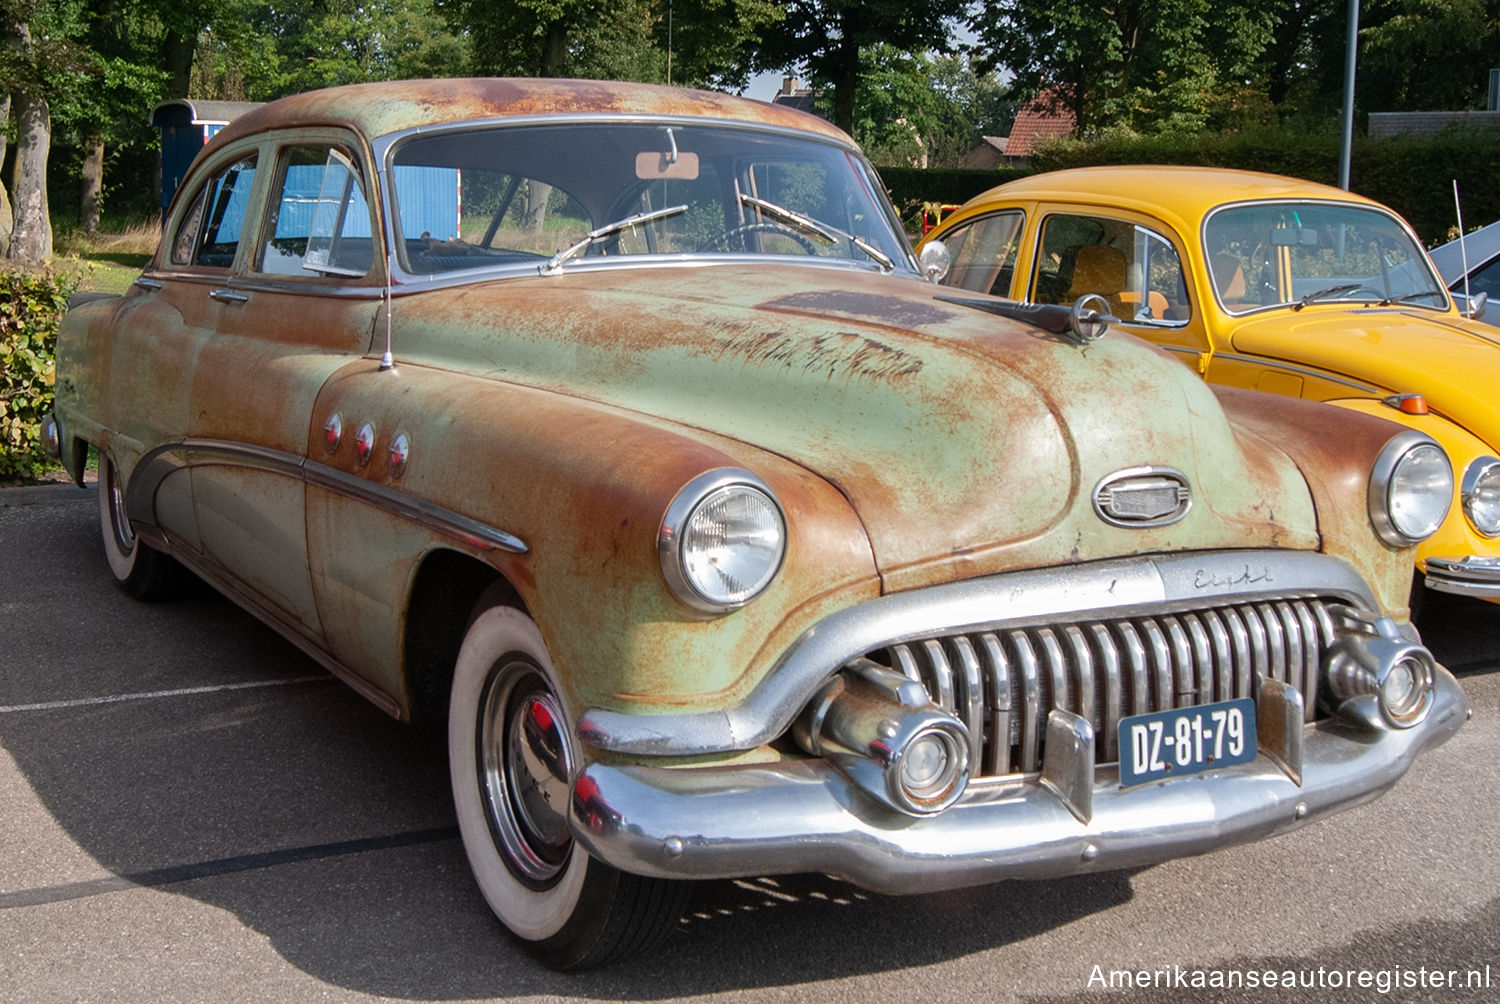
x: 957, y: 435
x: 1451, y: 361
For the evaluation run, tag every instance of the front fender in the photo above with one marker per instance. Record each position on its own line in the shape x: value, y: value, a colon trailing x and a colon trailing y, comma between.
x: 1335, y: 449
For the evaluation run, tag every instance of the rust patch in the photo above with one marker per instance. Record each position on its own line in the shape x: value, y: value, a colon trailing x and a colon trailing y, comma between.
x: 843, y: 354
x: 892, y: 311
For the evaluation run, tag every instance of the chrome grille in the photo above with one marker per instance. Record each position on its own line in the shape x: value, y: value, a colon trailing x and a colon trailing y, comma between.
x: 1002, y: 683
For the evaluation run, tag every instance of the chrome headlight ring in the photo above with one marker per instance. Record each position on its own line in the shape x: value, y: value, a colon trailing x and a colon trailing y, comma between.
x: 1411, y: 489
x: 1480, y: 494
x: 722, y: 540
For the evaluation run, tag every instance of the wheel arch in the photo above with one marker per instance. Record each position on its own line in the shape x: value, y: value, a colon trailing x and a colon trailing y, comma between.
x: 446, y: 590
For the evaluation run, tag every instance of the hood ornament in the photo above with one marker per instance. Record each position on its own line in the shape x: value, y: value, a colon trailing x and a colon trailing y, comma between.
x: 1142, y: 497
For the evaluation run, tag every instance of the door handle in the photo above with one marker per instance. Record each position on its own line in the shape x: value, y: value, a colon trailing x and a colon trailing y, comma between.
x: 228, y: 296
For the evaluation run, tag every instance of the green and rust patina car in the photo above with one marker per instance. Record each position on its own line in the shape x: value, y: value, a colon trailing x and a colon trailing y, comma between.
x: 618, y: 424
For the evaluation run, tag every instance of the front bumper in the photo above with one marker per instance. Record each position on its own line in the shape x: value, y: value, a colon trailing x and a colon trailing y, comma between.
x: 803, y: 816
x: 1474, y: 575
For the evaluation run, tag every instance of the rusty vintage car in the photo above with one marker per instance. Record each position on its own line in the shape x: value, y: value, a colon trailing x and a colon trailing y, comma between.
x: 618, y: 424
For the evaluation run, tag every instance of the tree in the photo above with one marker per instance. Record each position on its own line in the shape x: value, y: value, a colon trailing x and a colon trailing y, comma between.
x: 826, y: 40
x: 1432, y: 54
x: 1142, y: 63
x: 693, y: 42
x: 925, y: 110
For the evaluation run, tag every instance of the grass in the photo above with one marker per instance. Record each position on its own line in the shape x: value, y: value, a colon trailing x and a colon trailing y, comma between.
x: 111, y: 261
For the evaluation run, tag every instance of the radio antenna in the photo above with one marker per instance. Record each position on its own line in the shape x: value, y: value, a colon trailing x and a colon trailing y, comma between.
x: 1463, y: 249
x: 387, y: 361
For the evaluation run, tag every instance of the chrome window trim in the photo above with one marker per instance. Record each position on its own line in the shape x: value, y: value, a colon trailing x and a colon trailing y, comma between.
x: 160, y: 461
x: 1401, y: 225
x: 1155, y: 584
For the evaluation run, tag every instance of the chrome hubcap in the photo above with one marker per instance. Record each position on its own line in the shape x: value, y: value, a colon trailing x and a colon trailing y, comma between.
x: 124, y: 536
x: 525, y: 771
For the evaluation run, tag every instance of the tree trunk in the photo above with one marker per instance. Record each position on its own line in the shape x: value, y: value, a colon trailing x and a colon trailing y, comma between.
x: 5, y: 212
x: 31, y: 239
x: 31, y: 236
x: 91, y: 194
x: 536, y: 206
x: 177, y: 53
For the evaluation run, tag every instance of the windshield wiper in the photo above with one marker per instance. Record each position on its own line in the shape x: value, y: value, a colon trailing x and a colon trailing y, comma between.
x: 567, y: 254
x: 1348, y: 287
x: 825, y: 232
x: 1408, y: 297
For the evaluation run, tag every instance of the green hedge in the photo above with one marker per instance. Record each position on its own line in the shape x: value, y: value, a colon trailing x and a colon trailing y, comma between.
x: 31, y: 305
x: 1413, y: 175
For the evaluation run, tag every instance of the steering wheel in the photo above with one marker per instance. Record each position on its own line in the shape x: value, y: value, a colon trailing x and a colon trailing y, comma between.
x: 724, y: 240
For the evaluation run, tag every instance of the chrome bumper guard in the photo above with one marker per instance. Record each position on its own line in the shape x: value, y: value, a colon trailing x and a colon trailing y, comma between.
x: 1474, y: 575
x: 803, y: 816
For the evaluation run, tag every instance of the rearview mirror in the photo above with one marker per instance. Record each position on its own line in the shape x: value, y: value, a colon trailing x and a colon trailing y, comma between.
x: 660, y: 166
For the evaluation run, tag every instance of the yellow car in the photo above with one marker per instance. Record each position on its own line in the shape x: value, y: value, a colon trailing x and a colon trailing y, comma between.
x: 1268, y: 283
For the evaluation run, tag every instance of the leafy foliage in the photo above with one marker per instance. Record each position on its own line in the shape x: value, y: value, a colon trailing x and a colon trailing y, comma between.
x: 31, y: 306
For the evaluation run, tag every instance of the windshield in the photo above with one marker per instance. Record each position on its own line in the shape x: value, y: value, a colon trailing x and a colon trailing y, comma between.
x: 1299, y: 253
x: 550, y: 196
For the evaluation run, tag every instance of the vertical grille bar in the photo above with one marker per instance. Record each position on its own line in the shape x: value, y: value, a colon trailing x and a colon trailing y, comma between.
x: 998, y: 672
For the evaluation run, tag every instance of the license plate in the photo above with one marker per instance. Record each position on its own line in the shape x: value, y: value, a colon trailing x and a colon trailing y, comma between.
x: 1186, y: 740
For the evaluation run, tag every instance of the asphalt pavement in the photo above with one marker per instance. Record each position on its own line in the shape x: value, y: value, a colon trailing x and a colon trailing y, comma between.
x: 191, y: 810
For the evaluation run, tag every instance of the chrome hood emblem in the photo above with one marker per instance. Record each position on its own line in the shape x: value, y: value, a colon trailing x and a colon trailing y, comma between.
x: 1143, y: 497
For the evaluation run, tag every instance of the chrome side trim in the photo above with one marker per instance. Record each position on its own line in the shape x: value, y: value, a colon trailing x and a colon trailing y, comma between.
x: 802, y: 816
x: 1153, y: 584
x: 163, y: 460
x: 1302, y: 370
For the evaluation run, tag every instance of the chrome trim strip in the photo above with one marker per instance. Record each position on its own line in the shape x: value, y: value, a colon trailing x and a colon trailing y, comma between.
x: 160, y: 461
x: 1143, y: 585
x: 1302, y: 370
x: 802, y: 816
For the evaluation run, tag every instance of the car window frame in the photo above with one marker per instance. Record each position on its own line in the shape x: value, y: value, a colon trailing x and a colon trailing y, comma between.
x: 965, y: 227
x: 185, y: 211
x: 1139, y: 224
x: 279, y: 146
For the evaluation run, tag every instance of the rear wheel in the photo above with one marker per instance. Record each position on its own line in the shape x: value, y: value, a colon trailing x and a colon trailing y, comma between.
x: 513, y: 759
x: 141, y: 570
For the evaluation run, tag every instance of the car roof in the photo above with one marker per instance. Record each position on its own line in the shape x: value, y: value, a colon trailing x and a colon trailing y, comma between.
x: 377, y: 109
x: 1178, y: 193
x: 1478, y: 247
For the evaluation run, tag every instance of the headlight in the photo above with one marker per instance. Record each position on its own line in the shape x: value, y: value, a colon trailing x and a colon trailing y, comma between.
x: 722, y: 540
x: 1411, y: 489
x: 1481, y: 495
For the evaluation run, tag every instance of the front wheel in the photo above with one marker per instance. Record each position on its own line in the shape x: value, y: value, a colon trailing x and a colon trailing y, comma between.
x: 141, y: 570
x: 513, y: 758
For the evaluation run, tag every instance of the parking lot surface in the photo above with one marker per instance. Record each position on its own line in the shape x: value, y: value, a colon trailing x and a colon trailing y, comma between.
x: 191, y: 810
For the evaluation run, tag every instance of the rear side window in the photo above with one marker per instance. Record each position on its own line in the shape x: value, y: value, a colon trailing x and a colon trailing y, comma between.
x: 209, y: 234
x: 321, y: 221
